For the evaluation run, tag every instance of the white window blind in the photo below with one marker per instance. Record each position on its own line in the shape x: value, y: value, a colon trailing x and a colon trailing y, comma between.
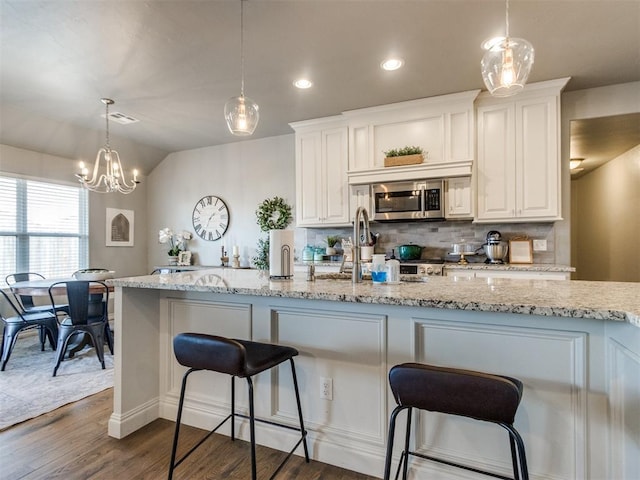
x: 43, y: 228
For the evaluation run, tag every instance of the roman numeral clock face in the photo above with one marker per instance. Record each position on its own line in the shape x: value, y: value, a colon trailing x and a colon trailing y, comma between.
x: 210, y: 218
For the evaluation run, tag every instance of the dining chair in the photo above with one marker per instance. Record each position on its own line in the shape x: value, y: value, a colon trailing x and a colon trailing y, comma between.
x: 87, y: 314
x: 26, y: 302
x: 14, y: 325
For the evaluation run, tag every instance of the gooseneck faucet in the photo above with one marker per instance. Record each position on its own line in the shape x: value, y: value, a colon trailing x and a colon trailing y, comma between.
x: 361, y: 214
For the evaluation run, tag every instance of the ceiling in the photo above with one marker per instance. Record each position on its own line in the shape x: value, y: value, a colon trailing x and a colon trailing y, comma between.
x: 172, y: 64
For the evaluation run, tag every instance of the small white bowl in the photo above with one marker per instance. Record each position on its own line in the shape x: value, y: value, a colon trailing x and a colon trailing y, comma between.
x: 93, y: 274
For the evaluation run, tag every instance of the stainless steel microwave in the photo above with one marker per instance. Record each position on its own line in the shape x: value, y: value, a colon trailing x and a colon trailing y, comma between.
x: 417, y: 200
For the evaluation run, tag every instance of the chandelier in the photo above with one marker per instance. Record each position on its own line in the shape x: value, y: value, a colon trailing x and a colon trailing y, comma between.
x: 112, y: 177
x: 507, y: 63
x: 241, y: 113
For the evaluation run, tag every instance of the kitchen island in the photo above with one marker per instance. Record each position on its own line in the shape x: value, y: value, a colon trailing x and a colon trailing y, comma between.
x: 575, y: 346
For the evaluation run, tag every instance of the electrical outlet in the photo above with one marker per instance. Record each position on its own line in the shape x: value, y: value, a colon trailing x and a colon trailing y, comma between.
x: 326, y: 388
x: 539, y: 245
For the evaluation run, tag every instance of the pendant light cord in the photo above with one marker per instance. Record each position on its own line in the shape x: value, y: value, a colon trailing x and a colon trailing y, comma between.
x: 106, y: 117
x: 507, y: 18
x: 242, y: 48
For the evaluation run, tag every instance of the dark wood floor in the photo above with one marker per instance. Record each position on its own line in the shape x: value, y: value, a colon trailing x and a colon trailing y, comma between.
x: 71, y: 443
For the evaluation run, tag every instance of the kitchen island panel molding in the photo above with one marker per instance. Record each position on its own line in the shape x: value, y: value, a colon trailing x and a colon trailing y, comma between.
x: 206, y: 389
x: 624, y: 404
x: 355, y: 361
x: 551, y: 363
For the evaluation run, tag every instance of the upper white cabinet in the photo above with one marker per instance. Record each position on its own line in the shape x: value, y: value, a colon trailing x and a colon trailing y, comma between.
x: 361, y: 197
x: 443, y: 126
x: 459, y: 199
x: 518, y: 164
x: 322, y: 191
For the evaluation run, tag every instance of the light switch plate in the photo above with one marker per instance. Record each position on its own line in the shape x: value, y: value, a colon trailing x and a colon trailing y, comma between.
x: 539, y: 245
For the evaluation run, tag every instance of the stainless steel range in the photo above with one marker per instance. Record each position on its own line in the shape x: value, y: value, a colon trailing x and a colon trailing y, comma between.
x: 422, y: 268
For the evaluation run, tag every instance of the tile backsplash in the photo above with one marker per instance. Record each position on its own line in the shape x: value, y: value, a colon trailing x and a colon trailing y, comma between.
x: 436, y: 237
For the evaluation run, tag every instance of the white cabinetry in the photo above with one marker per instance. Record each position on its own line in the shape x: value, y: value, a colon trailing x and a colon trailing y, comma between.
x: 322, y: 191
x: 361, y: 197
x: 459, y: 199
x: 443, y: 126
x: 518, y: 166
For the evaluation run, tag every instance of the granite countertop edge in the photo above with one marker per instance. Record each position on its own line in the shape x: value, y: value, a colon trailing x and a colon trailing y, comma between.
x: 615, y: 301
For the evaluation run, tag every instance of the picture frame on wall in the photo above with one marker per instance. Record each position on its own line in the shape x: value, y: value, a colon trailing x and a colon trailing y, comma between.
x: 520, y: 251
x: 119, y: 228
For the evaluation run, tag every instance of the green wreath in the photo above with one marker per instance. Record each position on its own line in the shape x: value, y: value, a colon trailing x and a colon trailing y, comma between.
x: 273, y: 214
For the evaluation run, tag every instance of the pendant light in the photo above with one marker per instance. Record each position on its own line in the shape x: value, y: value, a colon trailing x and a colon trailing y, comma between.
x: 112, y: 178
x: 507, y: 63
x: 241, y: 113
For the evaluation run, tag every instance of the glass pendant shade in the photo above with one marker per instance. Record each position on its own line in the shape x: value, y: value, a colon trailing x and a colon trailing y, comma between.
x: 506, y: 66
x: 242, y: 115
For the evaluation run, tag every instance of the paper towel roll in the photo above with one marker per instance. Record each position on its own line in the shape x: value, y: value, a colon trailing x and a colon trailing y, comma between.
x: 281, y: 253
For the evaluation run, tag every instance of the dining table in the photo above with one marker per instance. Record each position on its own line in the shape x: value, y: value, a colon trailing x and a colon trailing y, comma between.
x: 41, y: 287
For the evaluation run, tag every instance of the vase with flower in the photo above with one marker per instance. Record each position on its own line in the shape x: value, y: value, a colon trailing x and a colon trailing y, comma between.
x: 177, y: 243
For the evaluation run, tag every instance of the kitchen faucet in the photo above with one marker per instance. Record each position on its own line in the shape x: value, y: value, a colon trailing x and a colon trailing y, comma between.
x: 356, y: 274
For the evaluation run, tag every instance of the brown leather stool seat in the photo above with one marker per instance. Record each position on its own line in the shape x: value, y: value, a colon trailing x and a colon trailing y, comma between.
x: 478, y: 395
x: 238, y: 358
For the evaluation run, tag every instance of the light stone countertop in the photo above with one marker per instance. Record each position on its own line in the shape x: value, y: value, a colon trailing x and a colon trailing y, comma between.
x: 615, y: 301
x: 512, y: 267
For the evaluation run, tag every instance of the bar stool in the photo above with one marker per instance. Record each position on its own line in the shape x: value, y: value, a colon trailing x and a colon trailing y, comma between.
x: 238, y: 358
x: 482, y: 396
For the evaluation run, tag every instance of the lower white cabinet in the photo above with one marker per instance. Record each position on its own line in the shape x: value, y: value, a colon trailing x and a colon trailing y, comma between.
x: 459, y: 200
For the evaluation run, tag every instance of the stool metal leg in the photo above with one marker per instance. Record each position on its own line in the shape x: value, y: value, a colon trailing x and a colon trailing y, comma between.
x: 392, y: 431
x: 233, y: 407
x: 303, y: 432
x: 406, y: 447
x: 175, y: 435
x: 252, y: 429
x: 517, y: 445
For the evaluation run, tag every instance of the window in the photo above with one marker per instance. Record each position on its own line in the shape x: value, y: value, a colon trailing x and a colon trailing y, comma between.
x: 43, y: 227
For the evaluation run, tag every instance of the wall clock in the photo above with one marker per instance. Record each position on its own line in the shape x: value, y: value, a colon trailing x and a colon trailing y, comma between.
x: 210, y: 218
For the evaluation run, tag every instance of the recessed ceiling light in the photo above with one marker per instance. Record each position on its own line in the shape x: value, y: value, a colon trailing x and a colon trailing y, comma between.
x: 392, y: 64
x: 303, y: 83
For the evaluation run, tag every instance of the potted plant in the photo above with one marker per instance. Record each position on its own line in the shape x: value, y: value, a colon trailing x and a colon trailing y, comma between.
x: 332, y: 240
x: 273, y: 216
x: 409, y: 155
x: 177, y: 243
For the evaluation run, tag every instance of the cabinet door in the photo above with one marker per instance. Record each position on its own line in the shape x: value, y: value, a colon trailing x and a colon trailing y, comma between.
x: 537, y: 165
x: 459, y: 200
x: 308, y: 175
x: 360, y: 197
x: 334, y: 185
x: 496, y: 165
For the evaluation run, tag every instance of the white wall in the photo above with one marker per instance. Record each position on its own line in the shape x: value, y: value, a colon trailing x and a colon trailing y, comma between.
x: 243, y: 174
x: 125, y: 261
x: 606, y: 231
x: 590, y: 103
